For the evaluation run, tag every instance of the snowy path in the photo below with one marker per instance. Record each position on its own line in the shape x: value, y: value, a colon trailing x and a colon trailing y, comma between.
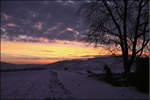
x: 57, y: 89
x: 31, y: 85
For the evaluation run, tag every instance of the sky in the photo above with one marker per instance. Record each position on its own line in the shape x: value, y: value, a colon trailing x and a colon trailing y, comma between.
x: 43, y: 32
x: 41, y: 19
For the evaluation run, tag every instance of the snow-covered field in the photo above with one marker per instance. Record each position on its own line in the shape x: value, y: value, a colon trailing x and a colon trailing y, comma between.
x: 55, y: 82
x: 83, y: 87
x: 25, y: 85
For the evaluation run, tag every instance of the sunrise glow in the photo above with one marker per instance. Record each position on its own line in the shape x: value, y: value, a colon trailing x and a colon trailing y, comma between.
x: 28, y: 52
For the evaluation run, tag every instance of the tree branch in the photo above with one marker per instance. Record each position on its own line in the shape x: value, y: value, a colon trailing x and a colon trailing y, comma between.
x: 143, y: 46
x: 117, y: 7
x: 136, y: 31
x: 113, y: 18
x: 109, y: 31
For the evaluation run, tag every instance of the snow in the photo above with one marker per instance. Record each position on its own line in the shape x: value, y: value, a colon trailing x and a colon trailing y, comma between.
x: 25, y: 85
x: 55, y: 82
x: 44, y: 84
x: 93, y: 64
x: 83, y: 87
x: 57, y: 89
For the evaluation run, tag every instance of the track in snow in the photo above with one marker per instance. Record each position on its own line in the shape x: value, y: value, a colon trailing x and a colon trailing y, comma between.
x: 42, y: 84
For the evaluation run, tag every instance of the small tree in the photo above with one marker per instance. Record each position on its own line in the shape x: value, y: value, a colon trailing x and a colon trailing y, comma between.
x: 120, y: 22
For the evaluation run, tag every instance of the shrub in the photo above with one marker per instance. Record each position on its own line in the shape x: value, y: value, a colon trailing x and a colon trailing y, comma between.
x: 142, y: 74
x: 108, y: 73
x: 65, y: 68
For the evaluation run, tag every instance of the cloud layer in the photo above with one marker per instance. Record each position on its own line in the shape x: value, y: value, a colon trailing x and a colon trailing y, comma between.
x: 46, y: 19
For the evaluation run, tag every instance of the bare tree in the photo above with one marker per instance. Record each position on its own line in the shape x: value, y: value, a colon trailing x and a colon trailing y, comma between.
x: 121, y: 22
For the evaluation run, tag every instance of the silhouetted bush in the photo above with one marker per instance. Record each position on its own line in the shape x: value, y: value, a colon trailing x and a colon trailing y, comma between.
x: 108, y: 73
x: 65, y: 68
x: 88, y: 71
x: 142, y: 74
x: 132, y: 79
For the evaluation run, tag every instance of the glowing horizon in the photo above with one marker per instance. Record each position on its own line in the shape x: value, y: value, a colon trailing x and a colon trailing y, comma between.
x: 41, y: 53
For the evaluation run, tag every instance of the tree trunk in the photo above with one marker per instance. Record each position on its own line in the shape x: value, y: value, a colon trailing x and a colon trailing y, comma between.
x: 126, y: 62
x: 126, y: 65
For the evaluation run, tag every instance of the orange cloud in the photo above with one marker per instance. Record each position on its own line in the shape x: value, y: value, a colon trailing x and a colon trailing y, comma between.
x: 38, y: 25
x: 69, y: 29
x: 49, y: 30
x: 74, y: 31
x: 30, y: 38
x: 12, y: 25
x: 6, y: 16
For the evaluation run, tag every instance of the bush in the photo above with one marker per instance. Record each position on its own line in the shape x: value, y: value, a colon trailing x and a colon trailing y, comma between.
x: 65, y: 68
x: 142, y: 74
x: 108, y: 73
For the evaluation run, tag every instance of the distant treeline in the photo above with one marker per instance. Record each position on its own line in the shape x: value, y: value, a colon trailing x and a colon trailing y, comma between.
x: 23, y: 69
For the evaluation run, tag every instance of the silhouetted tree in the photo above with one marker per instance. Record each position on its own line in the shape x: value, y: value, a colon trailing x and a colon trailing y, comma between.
x: 108, y: 73
x: 123, y: 23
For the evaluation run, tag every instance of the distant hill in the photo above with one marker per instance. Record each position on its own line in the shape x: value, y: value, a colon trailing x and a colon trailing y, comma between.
x: 19, y: 67
x: 97, y: 63
x: 5, y: 65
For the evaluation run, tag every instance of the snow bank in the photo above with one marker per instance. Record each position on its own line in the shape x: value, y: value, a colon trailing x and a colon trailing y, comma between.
x: 83, y: 87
